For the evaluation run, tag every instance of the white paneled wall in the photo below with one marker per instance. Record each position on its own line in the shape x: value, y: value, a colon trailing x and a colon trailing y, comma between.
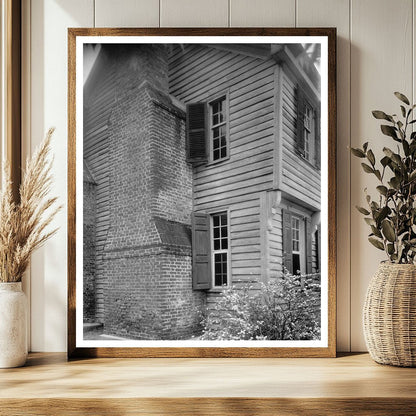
x: 381, y: 63
x: 376, y: 56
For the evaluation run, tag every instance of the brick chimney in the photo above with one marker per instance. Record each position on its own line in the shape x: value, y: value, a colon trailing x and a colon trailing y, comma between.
x: 146, y: 271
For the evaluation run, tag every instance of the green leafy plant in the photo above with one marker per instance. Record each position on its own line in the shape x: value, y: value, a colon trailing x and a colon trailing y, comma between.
x: 392, y: 215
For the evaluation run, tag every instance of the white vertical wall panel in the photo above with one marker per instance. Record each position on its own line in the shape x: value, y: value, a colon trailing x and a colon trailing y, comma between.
x: 26, y: 102
x: 262, y: 13
x: 335, y: 13
x: 193, y: 13
x: 49, y: 22
x: 381, y: 63
x: 127, y: 13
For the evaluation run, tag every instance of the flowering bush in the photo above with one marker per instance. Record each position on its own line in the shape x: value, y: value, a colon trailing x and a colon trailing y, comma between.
x: 286, y: 308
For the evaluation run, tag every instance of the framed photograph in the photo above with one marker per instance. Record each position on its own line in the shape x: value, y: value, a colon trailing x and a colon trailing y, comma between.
x: 201, y: 193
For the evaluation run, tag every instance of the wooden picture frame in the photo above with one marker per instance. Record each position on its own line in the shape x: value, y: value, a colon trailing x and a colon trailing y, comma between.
x: 135, y: 74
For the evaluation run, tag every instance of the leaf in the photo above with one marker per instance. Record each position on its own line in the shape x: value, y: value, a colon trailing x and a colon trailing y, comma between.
x: 413, y: 121
x: 378, y: 174
x: 382, y: 189
x: 412, y: 176
x: 390, y: 248
x: 366, y: 168
x: 381, y: 115
x: 385, y: 161
x: 393, y: 156
x: 394, y: 182
x: 369, y: 221
x: 357, y: 152
x: 376, y: 243
x: 374, y: 205
x: 402, y: 97
x: 382, y: 214
x: 389, y: 131
x: 376, y: 231
x: 388, y: 230
x: 365, y: 145
x: 406, y: 147
x: 371, y: 158
x: 362, y: 210
x: 403, y: 111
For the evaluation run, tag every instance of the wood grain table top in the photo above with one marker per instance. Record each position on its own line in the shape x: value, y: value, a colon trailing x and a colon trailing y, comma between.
x: 165, y: 386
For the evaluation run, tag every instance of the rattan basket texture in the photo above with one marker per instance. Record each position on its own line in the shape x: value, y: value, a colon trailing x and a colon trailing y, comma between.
x: 390, y: 315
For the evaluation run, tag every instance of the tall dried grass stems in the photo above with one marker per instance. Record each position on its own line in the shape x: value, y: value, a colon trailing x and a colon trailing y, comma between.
x: 24, y: 225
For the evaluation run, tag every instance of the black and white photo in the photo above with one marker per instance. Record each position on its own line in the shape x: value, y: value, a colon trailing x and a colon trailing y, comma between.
x: 204, y: 202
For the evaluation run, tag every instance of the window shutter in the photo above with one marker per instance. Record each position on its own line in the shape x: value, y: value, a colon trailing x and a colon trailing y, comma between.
x: 318, y: 138
x: 287, y: 240
x: 196, y: 146
x: 201, y: 251
x: 308, y: 240
x: 300, y: 127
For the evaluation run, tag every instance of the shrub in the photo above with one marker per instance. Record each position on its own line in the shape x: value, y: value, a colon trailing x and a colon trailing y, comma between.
x: 286, y: 308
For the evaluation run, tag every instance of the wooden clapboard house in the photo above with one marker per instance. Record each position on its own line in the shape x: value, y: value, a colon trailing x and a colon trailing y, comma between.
x: 253, y: 139
x: 201, y: 171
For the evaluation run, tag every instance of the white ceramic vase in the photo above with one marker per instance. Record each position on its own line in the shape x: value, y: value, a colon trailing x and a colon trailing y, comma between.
x: 13, y: 325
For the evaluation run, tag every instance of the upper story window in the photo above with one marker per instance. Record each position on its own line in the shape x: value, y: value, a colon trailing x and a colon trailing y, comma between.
x: 308, y: 140
x: 218, y: 128
x: 308, y: 133
x: 207, y: 137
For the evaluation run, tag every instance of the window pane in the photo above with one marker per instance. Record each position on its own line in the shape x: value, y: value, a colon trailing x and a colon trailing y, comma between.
x: 223, y: 219
x: 224, y: 232
x: 218, y: 280
x: 224, y: 243
x: 296, y: 263
x: 222, y: 131
x: 216, y: 132
x: 217, y: 245
x: 218, y: 118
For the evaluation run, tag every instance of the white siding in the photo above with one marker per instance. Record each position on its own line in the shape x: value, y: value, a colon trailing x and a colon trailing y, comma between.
x: 199, y: 73
x: 299, y: 177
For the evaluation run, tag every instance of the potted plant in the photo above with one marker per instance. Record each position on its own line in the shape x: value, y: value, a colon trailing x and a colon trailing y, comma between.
x: 23, y: 229
x: 390, y: 307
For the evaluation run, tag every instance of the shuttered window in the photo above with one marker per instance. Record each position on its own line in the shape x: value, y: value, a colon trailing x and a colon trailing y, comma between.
x: 218, y: 123
x: 201, y: 251
x: 297, y: 243
x: 308, y: 130
x: 196, y: 135
x: 207, y: 131
x: 300, y: 127
x: 220, y: 252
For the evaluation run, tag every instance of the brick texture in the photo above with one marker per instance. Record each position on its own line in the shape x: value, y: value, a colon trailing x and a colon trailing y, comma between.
x: 89, y: 229
x: 146, y: 274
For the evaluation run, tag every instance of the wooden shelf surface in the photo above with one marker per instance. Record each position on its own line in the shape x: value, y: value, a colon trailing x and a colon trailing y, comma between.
x: 349, y: 384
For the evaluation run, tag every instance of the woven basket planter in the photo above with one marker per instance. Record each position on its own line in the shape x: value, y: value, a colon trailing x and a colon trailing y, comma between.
x: 390, y: 315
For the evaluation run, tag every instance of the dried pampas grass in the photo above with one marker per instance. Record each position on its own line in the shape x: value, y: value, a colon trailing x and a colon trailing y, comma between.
x: 23, y: 225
